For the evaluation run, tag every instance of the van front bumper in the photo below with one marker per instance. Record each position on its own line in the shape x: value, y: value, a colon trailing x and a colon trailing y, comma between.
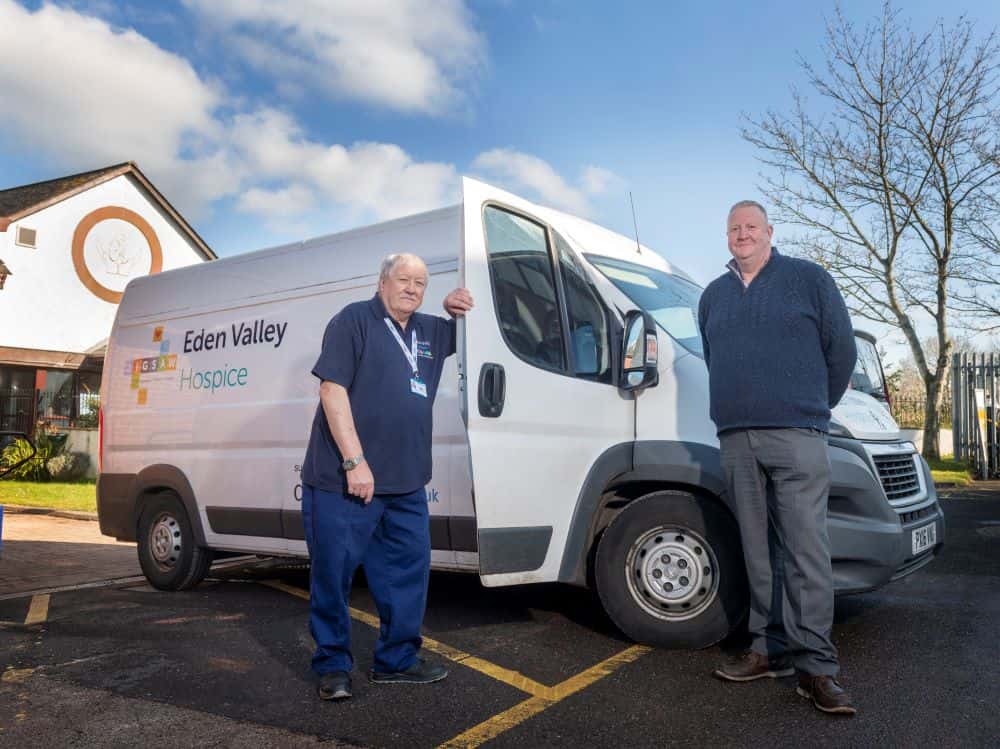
x: 872, y: 541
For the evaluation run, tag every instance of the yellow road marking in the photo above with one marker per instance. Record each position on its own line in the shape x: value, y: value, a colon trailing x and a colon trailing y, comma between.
x: 597, y: 672
x: 38, y: 611
x: 16, y: 675
x: 506, y: 675
x: 542, y: 697
x: 493, y: 727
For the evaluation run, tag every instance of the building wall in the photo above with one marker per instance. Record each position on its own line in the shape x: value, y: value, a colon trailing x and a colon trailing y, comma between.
x: 45, y: 304
x: 85, y: 441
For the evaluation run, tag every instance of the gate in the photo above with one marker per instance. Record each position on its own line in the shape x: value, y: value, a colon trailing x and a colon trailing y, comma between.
x: 975, y: 388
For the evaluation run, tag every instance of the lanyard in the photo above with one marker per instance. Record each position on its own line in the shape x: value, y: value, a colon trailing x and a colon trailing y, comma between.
x: 411, y: 354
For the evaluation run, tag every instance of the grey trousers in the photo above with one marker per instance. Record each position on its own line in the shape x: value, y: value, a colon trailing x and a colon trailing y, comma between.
x: 779, y: 480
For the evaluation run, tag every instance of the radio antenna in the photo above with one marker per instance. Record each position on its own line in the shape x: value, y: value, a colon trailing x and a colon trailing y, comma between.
x: 635, y: 224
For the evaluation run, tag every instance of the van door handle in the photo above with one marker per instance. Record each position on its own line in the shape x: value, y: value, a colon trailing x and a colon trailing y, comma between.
x: 492, y: 388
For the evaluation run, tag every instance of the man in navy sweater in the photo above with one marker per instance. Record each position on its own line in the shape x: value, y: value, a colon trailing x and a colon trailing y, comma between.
x: 780, y: 351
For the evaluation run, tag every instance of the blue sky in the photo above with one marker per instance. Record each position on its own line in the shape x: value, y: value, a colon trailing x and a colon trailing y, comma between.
x: 269, y: 122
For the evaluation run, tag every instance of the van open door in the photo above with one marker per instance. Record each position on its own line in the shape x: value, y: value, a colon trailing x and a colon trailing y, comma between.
x: 540, y: 395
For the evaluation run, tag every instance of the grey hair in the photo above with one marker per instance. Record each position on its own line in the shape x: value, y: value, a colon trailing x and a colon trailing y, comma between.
x: 391, y: 261
x: 750, y: 204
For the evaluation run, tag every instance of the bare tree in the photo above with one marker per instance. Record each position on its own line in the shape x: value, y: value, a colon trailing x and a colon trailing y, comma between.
x: 889, y: 179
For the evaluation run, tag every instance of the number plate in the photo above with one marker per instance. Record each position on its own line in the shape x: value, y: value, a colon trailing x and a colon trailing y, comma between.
x: 924, y: 538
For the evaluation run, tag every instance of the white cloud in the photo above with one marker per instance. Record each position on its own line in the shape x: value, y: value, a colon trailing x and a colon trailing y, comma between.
x: 596, y: 180
x: 293, y: 200
x: 379, y: 179
x: 407, y: 55
x: 523, y: 171
x: 85, y: 95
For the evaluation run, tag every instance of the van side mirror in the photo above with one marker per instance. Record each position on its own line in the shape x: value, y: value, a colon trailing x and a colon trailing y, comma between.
x: 639, y: 357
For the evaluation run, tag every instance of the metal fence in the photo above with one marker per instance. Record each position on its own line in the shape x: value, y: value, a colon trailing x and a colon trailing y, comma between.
x: 909, y: 412
x: 22, y: 410
x: 976, y: 386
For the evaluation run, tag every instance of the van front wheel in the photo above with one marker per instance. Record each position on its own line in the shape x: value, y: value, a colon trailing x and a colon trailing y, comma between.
x: 168, y: 554
x: 669, y: 571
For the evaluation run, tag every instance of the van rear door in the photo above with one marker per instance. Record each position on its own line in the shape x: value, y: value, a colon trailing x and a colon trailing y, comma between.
x: 541, y: 403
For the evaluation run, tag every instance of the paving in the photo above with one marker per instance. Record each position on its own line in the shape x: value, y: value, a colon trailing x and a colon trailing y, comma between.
x: 227, y: 665
x: 41, y: 551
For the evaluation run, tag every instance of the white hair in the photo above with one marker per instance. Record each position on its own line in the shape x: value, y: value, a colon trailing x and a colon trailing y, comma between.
x: 389, y: 262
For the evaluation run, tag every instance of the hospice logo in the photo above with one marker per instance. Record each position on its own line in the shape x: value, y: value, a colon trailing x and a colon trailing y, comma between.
x: 165, y: 362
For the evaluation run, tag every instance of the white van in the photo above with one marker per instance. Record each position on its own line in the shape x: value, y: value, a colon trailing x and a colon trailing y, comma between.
x: 572, y: 441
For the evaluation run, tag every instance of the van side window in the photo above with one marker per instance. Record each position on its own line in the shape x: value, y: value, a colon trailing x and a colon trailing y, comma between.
x: 524, y: 287
x: 588, y: 323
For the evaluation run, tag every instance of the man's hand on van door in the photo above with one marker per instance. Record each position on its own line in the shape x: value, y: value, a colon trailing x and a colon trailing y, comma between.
x: 361, y: 483
x: 458, y: 302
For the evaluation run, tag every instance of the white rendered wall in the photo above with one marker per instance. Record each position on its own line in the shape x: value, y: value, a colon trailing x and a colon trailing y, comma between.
x: 44, y: 304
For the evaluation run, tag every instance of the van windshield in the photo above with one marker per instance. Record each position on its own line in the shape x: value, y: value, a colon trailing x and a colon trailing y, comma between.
x: 867, y: 375
x: 671, y: 300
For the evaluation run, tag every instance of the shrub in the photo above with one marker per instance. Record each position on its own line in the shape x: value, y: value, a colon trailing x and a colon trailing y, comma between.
x: 47, y: 447
x: 68, y: 466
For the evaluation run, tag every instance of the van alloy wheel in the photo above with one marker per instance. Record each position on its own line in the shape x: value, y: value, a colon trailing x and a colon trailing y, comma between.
x: 672, y: 573
x: 165, y: 540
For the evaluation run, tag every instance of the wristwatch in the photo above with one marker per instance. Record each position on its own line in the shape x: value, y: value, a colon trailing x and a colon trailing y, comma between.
x: 351, y: 463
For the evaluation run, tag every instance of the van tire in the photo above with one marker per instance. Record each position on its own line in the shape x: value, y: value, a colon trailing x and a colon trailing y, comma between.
x: 168, y: 551
x: 670, y: 573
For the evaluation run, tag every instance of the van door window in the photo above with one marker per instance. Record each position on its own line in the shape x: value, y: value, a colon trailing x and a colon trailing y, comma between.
x: 588, y: 324
x: 524, y: 288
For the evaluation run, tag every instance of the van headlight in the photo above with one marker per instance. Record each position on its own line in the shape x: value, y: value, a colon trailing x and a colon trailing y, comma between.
x: 839, y: 430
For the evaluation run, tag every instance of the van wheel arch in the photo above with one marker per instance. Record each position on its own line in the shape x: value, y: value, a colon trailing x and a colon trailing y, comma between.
x: 156, y: 479
x: 697, y: 594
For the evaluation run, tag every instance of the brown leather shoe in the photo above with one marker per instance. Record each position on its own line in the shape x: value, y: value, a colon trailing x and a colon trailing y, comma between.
x: 826, y: 694
x: 751, y: 666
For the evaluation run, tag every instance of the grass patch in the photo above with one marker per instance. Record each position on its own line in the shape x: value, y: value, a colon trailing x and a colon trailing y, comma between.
x: 81, y: 496
x: 949, y: 470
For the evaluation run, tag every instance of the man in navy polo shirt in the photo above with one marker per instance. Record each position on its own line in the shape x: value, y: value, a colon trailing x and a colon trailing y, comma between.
x: 368, y: 461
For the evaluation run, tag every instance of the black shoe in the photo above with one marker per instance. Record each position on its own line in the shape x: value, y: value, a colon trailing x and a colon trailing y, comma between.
x: 335, y: 685
x: 421, y: 672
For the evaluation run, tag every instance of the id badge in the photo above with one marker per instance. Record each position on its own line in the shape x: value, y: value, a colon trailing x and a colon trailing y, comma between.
x: 418, y: 387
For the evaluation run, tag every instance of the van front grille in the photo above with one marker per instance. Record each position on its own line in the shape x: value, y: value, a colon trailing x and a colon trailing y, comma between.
x: 898, y: 474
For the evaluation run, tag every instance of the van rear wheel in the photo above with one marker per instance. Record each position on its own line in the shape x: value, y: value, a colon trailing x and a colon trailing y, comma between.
x: 669, y: 571
x: 168, y: 554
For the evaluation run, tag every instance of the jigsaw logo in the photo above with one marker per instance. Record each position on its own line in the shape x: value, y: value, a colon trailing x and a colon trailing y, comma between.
x: 165, y: 362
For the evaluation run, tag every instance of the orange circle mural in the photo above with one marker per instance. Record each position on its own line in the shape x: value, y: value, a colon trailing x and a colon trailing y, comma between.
x: 80, y: 237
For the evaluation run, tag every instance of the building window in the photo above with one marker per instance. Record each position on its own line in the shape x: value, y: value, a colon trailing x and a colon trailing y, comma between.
x: 26, y: 237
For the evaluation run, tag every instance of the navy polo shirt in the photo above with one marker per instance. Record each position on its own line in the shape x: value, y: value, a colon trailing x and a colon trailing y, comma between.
x: 393, y: 423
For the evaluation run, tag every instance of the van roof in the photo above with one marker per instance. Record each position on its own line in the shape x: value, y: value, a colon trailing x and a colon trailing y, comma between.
x: 349, y: 256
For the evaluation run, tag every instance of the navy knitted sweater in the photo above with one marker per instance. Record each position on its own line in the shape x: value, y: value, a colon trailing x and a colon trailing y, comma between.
x: 780, y: 352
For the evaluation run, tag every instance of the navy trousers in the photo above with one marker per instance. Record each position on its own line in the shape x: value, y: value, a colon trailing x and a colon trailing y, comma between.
x: 390, y: 537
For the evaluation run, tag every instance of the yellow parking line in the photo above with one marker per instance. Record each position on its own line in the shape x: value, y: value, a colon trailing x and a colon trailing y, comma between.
x: 506, y: 675
x: 304, y: 594
x: 542, y: 697
x: 595, y: 673
x: 38, y: 611
x: 493, y: 727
